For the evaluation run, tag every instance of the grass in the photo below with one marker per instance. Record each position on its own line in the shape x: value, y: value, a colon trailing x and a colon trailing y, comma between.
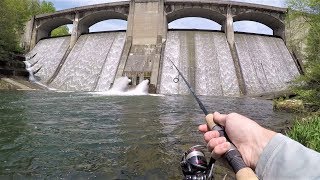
x: 307, y: 132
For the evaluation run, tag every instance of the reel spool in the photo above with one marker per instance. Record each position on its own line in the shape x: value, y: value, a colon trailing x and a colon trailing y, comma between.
x: 194, y: 164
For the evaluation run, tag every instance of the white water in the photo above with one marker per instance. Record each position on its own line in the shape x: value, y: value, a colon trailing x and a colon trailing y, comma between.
x: 47, y: 55
x: 266, y: 63
x: 32, y: 78
x: 121, y: 88
x: 92, y: 63
x: 214, y: 70
x: 204, y: 59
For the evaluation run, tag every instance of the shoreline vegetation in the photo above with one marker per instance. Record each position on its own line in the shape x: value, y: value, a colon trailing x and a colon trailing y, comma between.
x: 306, y: 128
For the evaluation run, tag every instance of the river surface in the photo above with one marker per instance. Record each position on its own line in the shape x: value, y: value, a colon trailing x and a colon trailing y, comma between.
x: 50, y: 135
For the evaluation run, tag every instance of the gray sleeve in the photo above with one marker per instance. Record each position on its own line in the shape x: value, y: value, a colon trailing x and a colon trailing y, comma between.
x: 284, y: 158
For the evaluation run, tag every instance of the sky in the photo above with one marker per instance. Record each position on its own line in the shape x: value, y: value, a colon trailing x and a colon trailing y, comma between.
x: 184, y: 23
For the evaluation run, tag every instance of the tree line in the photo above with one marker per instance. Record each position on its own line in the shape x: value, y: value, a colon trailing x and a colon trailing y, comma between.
x: 308, y: 85
x: 13, y: 16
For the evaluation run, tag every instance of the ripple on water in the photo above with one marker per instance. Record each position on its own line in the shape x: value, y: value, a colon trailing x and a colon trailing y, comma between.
x: 76, y: 135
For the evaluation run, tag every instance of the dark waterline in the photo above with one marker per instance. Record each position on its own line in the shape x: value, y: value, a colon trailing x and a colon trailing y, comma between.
x: 78, y: 135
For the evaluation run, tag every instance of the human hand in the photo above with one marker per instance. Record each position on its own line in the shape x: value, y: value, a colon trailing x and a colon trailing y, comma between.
x: 248, y: 136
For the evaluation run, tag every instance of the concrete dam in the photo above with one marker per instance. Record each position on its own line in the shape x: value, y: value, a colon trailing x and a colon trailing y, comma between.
x: 219, y: 63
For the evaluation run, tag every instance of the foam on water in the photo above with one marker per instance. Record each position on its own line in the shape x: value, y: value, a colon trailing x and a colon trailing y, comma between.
x: 121, y: 88
x: 32, y: 78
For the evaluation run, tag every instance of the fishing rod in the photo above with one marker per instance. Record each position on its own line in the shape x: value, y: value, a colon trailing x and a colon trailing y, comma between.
x: 193, y: 163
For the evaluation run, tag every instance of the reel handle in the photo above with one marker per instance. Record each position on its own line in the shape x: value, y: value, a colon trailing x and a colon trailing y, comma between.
x: 233, y: 156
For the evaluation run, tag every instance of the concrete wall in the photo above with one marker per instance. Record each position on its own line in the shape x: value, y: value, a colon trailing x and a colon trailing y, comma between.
x: 147, y: 28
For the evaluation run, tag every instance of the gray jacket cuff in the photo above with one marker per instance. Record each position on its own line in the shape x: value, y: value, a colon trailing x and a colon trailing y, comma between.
x: 271, y: 149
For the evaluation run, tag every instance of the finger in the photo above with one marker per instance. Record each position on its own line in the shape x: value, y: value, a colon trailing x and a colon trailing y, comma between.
x: 213, y: 143
x: 221, y: 149
x: 220, y: 118
x: 210, y: 135
x: 203, y: 128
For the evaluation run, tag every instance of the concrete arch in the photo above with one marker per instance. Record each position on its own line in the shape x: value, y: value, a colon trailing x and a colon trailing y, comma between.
x: 47, y: 26
x: 196, y: 12
x: 275, y: 24
x: 87, y: 21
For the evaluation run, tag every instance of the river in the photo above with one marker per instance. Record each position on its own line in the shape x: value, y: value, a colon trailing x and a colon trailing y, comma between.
x: 50, y: 135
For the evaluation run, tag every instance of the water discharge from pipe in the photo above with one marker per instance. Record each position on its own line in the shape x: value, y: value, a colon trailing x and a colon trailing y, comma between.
x: 121, y: 88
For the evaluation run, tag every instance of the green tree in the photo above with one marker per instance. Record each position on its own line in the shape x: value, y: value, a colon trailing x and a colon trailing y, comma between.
x: 13, y: 16
x: 8, y: 38
x: 308, y: 85
x: 60, y: 31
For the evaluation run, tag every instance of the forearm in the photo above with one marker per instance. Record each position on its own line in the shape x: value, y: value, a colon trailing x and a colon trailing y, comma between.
x: 284, y: 158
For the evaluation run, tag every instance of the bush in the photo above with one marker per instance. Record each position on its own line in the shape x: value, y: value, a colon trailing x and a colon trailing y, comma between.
x: 307, y: 132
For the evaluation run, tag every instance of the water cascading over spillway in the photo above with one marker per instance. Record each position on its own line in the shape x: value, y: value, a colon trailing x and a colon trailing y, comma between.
x: 46, y: 56
x: 92, y: 63
x: 205, y: 60
x: 267, y: 65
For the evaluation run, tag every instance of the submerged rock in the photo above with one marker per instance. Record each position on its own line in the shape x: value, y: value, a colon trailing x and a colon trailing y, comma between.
x: 290, y: 105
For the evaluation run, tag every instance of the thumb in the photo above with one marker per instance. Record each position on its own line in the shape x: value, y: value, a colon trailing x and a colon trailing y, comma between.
x: 220, y: 118
x: 215, y: 118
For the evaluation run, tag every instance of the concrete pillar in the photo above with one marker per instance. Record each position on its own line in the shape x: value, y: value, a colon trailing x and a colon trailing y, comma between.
x: 38, y: 33
x: 130, y: 20
x: 162, y: 35
x: 28, y: 34
x: 75, y: 31
x: 147, y: 29
x: 163, y: 27
x: 34, y: 35
x: 146, y: 21
x: 229, y: 31
x: 141, y: 77
x: 281, y: 33
x: 124, y: 57
x: 229, y: 27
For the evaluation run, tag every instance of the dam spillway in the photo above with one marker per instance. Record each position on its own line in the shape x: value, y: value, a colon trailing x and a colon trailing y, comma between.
x: 90, y: 66
x: 204, y: 57
x: 46, y: 56
x: 265, y: 62
x: 92, y: 63
x: 205, y: 60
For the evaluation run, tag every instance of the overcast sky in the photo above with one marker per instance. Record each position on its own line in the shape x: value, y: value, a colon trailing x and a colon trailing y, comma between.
x: 185, y: 23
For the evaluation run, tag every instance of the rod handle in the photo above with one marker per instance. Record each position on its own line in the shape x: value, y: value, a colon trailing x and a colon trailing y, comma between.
x: 233, y: 156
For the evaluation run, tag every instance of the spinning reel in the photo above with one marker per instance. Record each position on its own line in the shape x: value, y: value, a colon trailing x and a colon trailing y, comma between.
x: 194, y: 164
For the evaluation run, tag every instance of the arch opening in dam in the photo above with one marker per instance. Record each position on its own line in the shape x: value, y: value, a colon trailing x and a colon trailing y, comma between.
x: 44, y: 30
x: 252, y: 27
x: 60, y: 31
x: 195, y: 23
x: 109, y: 25
x: 196, y: 12
x: 86, y: 22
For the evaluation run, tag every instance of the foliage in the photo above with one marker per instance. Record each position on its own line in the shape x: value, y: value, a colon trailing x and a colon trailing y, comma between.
x: 308, y: 86
x: 13, y: 16
x: 7, y: 35
x: 307, y: 132
x: 60, y: 31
